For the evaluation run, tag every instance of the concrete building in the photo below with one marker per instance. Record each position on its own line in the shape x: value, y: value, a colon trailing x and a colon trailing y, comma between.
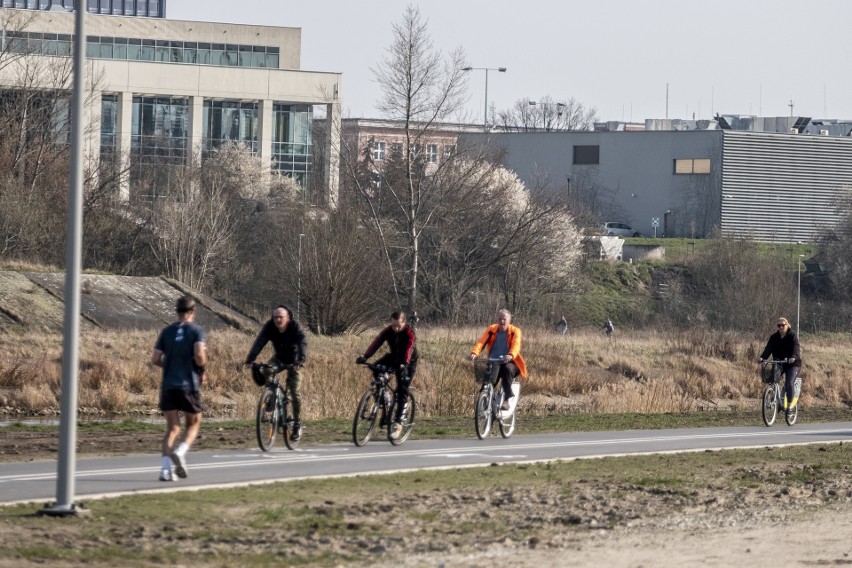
x: 147, y: 8
x: 767, y: 186
x: 386, y: 137
x: 165, y: 90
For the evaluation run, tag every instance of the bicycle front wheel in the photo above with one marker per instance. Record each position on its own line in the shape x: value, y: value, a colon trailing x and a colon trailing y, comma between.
x: 365, y: 418
x: 482, y: 412
x: 287, y: 423
x: 407, y: 421
x: 791, y: 415
x: 770, y: 406
x: 267, y: 420
x: 507, y: 424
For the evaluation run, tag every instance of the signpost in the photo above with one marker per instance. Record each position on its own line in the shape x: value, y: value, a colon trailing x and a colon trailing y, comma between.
x: 655, y: 222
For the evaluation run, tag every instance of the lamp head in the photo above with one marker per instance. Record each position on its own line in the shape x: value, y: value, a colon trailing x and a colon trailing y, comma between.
x: 501, y: 69
x: 467, y: 68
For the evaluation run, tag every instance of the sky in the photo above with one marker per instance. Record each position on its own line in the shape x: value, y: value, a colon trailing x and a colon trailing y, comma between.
x: 619, y: 56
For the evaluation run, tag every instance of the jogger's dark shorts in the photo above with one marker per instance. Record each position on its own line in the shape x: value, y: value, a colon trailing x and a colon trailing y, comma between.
x: 179, y: 399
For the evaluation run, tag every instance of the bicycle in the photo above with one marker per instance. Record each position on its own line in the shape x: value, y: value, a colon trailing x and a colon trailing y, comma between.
x: 490, y: 398
x: 774, y: 394
x: 273, y: 407
x: 378, y: 402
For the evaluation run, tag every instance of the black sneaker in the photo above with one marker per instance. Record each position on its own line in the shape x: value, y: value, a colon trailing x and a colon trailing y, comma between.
x: 297, y: 431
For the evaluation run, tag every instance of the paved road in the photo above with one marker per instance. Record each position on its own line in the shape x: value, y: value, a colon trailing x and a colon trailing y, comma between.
x: 98, y: 477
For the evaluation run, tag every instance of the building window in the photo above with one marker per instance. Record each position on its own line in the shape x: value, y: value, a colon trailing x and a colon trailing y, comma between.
x: 379, y: 150
x: 692, y: 166
x: 449, y: 151
x: 587, y: 155
x: 159, y: 130
x: 432, y: 153
x: 396, y: 149
x: 233, y: 121
x: 292, y: 149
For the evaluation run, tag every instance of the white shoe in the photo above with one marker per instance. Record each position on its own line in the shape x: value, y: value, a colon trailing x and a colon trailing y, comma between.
x: 180, y: 464
x: 166, y: 475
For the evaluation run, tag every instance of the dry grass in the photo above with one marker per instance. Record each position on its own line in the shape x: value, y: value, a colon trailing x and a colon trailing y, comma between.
x: 584, y: 372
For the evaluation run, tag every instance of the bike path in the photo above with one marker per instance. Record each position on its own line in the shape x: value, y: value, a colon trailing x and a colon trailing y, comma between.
x: 35, y: 481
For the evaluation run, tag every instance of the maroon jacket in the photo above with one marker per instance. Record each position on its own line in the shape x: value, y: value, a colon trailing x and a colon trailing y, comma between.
x: 401, y: 345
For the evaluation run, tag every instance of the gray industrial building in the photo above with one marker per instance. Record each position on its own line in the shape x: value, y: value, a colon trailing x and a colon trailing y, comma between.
x: 762, y: 185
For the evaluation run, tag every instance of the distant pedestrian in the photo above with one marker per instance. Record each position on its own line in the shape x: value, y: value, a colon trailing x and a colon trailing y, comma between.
x: 413, y: 319
x: 181, y: 351
x: 608, y: 328
x: 562, y: 326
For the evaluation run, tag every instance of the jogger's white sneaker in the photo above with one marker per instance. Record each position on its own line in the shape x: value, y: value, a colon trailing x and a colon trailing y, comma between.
x: 166, y: 475
x: 180, y: 464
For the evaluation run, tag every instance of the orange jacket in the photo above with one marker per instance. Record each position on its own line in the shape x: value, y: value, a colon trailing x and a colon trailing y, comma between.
x: 514, y: 340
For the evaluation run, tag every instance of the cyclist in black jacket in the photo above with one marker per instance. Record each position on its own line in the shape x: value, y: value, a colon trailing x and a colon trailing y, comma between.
x: 291, y: 348
x: 784, y: 345
x: 402, y: 356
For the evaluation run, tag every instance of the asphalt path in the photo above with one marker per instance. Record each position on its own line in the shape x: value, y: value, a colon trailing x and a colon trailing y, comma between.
x: 36, y: 481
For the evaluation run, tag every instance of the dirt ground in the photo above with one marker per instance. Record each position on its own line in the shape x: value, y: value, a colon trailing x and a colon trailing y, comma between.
x: 805, y: 523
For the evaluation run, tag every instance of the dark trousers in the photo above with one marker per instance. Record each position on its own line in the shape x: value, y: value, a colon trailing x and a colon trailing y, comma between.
x: 403, y: 381
x: 506, y: 375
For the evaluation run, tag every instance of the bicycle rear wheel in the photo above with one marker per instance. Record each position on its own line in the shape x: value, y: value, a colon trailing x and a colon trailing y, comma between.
x: 287, y: 422
x: 267, y: 420
x: 407, y: 421
x: 482, y: 411
x: 365, y: 418
x: 770, y: 406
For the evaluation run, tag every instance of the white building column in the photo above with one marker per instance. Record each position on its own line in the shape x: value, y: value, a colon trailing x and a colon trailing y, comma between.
x: 124, y: 124
x: 332, y: 155
x: 195, y: 129
x: 265, y: 130
x: 92, y: 130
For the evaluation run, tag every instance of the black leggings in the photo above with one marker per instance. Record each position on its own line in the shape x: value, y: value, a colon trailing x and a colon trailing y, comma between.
x: 790, y: 381
x: 403, y: 382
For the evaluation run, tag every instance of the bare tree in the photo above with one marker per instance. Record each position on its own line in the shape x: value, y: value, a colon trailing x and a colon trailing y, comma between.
x: 192, y: 228
x: 546, y: 115
x: 420, y: 89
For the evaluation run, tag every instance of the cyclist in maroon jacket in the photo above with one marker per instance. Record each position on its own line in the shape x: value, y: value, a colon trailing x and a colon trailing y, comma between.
x: 401, y: 356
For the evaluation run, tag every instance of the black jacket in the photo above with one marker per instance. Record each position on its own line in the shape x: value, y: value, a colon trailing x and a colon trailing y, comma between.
x: 783, y: 347
x: 291, y: 345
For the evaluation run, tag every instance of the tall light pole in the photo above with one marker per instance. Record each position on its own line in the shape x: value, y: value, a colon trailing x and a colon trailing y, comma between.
x: 486, y: 69
x: 299, y: 282
x: 799, y: 293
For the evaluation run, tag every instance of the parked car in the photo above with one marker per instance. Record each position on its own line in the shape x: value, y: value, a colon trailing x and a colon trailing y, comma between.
x: 619, y: 230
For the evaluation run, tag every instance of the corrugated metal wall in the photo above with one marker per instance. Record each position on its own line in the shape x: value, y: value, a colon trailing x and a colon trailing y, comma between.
x: 782, y: 187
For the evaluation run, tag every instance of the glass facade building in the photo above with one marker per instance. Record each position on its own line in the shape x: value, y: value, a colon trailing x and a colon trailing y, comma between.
x: 147, y: 8
x: 291, y: 141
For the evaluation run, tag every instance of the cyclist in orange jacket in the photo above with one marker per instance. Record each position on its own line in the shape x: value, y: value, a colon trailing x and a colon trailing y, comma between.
x: 503, y: 341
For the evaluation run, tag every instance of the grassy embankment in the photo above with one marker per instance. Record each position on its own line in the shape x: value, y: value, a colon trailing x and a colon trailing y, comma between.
x: 581, y: 374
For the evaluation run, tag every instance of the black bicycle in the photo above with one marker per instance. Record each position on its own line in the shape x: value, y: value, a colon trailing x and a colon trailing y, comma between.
x: 489, y: 400
x: 378, y: 403
x: 774, y: 394
x: 274, y: 407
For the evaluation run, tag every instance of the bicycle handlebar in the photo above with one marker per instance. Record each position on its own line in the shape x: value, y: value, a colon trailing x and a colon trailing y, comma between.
x: 377, y: 367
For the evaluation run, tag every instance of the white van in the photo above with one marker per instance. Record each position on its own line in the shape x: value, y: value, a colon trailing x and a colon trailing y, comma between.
x: 619, y: 230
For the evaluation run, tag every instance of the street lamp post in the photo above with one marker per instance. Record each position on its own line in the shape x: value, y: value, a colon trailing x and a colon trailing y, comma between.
x: 799, y: 293
x: 299, y: 281
x: 486, y: 69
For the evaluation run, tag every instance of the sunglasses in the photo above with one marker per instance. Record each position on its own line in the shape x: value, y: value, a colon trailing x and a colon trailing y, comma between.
x: 782, y: 325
